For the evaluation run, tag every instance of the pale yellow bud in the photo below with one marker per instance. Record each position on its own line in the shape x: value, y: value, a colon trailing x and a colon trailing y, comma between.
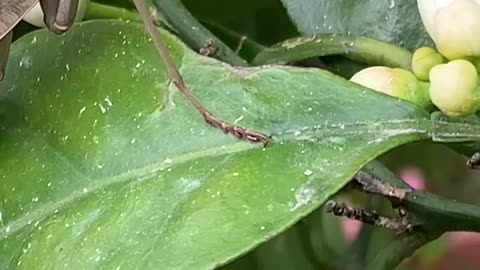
x: 394, y: 82
x: 423, y: 60
x: 454, y: 88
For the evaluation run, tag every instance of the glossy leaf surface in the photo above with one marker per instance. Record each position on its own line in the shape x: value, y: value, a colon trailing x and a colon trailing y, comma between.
x: 103, y: 168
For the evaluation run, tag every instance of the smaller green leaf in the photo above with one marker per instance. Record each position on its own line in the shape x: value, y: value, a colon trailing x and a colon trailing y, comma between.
x: 395, y: 21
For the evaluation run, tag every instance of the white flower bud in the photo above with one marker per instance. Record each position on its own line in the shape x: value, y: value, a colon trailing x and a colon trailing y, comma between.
x: 453, y: 25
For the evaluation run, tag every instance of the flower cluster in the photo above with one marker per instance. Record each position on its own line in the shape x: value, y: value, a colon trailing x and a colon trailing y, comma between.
x: 447, y: 78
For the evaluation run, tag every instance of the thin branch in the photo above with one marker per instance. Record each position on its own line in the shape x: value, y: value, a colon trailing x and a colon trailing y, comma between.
x: 162, y: 50
x: 431, y: 216
x: 398, y: 225
x: 428, y: 209
x: 176, y: 79
x: 240, y: 44
x: 356, y: 255
x: 372, y: 184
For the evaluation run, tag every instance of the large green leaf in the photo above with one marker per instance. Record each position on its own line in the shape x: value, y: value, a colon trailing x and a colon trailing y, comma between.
x: 98, y: 172
x: 395, y: 21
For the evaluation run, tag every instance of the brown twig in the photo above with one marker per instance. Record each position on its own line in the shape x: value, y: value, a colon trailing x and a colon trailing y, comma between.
x: 371, y: 184
x: 174, y: 76
x: 399, y: 224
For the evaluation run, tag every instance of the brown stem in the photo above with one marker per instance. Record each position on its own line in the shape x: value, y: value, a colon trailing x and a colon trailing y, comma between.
x: 174, y: 76
x: 372, y: 184
x: 399, y: 224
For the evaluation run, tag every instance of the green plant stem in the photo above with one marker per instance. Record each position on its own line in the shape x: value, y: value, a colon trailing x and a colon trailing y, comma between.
x: 430, y: 210
x: 437, y: 212
x: 365, y: 50
x: 401, y: 247
x: 193, y: 32
x: 101, y: 11
x: 431, y: 216
x: 377, y: 169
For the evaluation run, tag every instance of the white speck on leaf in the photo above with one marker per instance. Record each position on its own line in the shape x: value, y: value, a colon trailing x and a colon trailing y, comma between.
x: 26, y: 62
x: 81, y: 111
x: 109, y: 102
x: 303, y: 195
x: 238, y: 119
x: 188, y: 185
x: 392, y: 4
x: 102, y: 109
x: 308, y: 172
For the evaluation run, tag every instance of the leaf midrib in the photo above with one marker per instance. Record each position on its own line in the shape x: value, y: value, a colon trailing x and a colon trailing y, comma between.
x: 390, y: 127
